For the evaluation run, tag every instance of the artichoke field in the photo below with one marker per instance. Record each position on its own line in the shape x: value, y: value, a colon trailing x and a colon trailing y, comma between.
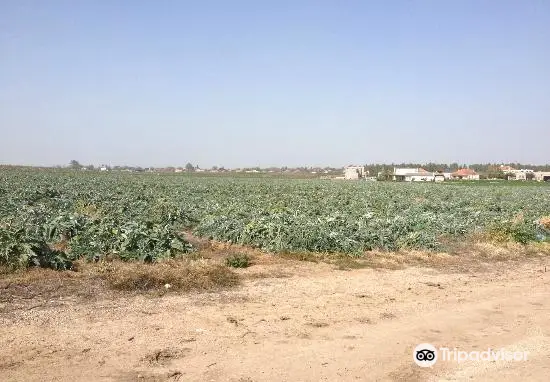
x: 50, y: 218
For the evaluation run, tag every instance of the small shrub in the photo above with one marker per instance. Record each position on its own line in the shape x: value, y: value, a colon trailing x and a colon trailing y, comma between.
x: 238, y: 260
x: 19, y: 251
x: 518, y: 231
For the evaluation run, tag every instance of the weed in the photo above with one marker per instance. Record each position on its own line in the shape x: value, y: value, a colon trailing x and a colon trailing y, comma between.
x: 517, y: 230
x: 238, y: 260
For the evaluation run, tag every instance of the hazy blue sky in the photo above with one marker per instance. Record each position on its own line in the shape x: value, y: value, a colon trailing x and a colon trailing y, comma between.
x: 246, y: 83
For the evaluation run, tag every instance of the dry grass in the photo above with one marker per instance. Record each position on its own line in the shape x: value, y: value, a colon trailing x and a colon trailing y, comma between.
x: 170, y: 275
x: 494, y: 251
x: 212, y: 249
x: 475, y: 252
x: 35, y: 285
x: 204, y: 269
x: 271, y: 274
x: 30, y: 275
x: 92, y: 281
x: 344, y: 261
x: 304, y: 256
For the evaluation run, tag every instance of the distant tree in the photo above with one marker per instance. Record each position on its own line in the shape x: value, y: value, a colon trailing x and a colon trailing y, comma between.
x: 530, y: 176
x: 432, y: 167
x: 385, y: 174
x: 189, y: 167
x: 74, y: 164
x: 493, y: 173
x: 90, y: 167
x: 509, y: 176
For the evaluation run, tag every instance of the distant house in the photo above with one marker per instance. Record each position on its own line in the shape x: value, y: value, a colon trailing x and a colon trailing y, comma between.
x: 522, y: 174
x: 519, y: 175
x: 512, y: 173
x: 465, y: 174
x: 542, y: 176
x: 447, y: 174
x: 439, y: 177
x: 506, y: 169
x: 355, y: 172
x: 412, y: 175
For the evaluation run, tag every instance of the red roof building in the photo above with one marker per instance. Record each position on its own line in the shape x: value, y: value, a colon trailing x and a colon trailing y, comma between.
x: 465, y: 173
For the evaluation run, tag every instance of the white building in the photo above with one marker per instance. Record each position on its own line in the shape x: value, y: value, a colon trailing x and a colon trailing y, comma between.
x: 542, y: 176
x: 413, y: 175
x: 516, y: 174
x: 355, y: 172
x: 522, y: 174
x: 447, y: 174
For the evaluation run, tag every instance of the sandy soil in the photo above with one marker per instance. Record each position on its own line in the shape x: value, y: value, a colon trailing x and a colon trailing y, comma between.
x: 291, y: 321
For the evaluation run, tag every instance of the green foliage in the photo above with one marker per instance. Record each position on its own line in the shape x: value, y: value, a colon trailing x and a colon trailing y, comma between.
x: 19, y: 249
x: 496, y: 174
x: 75, y: 165
x: 51, y: 217
x: 513, y: 230
x: 15, y: 251
x: 237, y: 260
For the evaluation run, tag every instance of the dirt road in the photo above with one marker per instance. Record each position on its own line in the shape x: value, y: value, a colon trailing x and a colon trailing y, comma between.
x: 292, y: 321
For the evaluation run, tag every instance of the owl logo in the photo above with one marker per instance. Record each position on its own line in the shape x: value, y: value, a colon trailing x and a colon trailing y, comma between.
x: 425, y: 355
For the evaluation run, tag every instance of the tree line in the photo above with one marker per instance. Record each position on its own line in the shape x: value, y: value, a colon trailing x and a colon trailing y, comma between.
x: 491, y: 170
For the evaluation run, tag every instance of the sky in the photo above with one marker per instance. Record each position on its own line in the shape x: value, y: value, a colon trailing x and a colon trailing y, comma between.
x: 274, y: 83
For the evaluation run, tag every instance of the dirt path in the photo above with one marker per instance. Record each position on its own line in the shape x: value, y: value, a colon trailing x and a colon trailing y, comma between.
x: 310, y: 323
